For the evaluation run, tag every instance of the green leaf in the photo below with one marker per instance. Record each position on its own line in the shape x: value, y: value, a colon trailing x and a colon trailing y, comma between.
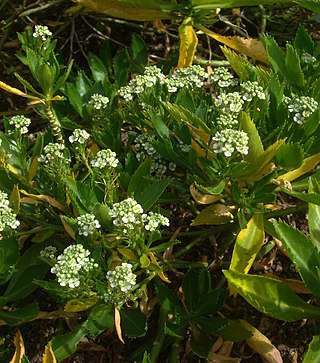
x: 133, y: 323
x: 302, y: 253
x: 74, y: 98
x: 209, y: 302
x: 303, y: 41
x: 139, y: 180
x: 21, y: 315
x: 211, y: 325
x: 313, y: 355
x: 271, y: 296
x: 167, y: 299
x: 9, y: 253
x: 290, y: 156
x: 65, y: 345
x: 314, y: 214
x: 276, y: 57
x: 150, y: 195
x: 101, y: 317
x: 189, y: 288
x: 294, y: 71
x: 121, y: 65
x: 239, y: 63
x: 235, y: 332
x: 255, y: 144
x: 309, y: 198
x: 98, y: 69
x: 248, y: 243
x: 83, y: 84
x: 139, y: 50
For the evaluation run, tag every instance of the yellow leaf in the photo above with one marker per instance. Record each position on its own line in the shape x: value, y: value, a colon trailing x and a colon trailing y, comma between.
x: 45, y: 198
x: 248, y: 243
x: 68, y: 228
x: 202, y: 198
x: 19, y: 345
x: 76, y: 305
x: 117, y: 323
x: 307, y: 164
x: 253, y: 48
x: 117, y: 9
x: 15, y: 199
x: 48, y: 356
x: 17, y: 92
x: 260, y: 344
x: 160, y: 273
x: 33, y: 169
x: 188, y: 43
x: 127, y: 253
x: 213, y: 215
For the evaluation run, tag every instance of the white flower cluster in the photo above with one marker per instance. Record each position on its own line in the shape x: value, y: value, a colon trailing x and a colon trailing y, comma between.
x: 128, y: 214
x: 228, y: 140
x: 307, y: 58
x: 99, y: 102
x: 42, y: 31
x: 79, y: 136
x: 227, y: 120
x: 49, y: 252
x: 21, y: 123
x: 53, y: 152
x: 184, y: 147
x: 229, y: 102
x: 105, y: 158
x: 301, y: 107
x: 249, y: 90
x: 122, y: 278
x: 87, y: 224
x: 7, y: 217
x: 189, y: 77
x: 73, y: 266
x: 153, y: 221
x: 144, y: 148
x: 222, y: 77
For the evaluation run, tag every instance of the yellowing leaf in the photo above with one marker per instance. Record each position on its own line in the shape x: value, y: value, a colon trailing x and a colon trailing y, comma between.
x: 15, y: 199
x: 33, y: 169
x: 260, y: 344
x: 251, y: 47
x: 19, y: 345
x: 68, y: 228
x: 45, y: 198
x: 248, y: 243
x: 202, y: 198
x: 48, y: 356
x: 76, y: 305
x: 17, y: 92
x: 127, y: 253
x: 117, y: 9
x: 117, y: 323
x: 213, y: 215
x: 188, y: 43
x: 160, y: 273
x: 307, y: 164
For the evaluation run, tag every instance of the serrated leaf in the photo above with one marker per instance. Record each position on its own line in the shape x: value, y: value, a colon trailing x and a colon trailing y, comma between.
x: 302, y: 253
x: 19, y: 348
x: 188, y: 43
x: 279, y: 302
x: 294, y: 70
x: 239, y: 63
x: 48, y: 356
x: 134, y: 323
x: 276, y: 56
x: 98, y: 69
x: 121, y: 65
x: 248, y: 243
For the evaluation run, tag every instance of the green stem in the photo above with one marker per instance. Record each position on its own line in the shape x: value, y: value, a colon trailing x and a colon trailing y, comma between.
x: 55, y: 124
x: 212, y: 63
x: 175, y: 351
x: 157, y: 344
x: 285, y: 212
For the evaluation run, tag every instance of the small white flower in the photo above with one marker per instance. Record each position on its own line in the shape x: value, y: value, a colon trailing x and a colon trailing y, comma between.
x: 87, y: 224
x: 7, y: 216
x: 49, y: 252
x: 250, y: 90
x: 222, y: 77
x: 153, y: 221
x: 20, y: 123
x: 301, y: 107
x: 122, y: 278
x: 228, y: 140
x: 79, y: 136
x: 42, y: 31
x: 98, y: 101
x: 52, y: 152
x: 229, y: 102
x: 105, y: 158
